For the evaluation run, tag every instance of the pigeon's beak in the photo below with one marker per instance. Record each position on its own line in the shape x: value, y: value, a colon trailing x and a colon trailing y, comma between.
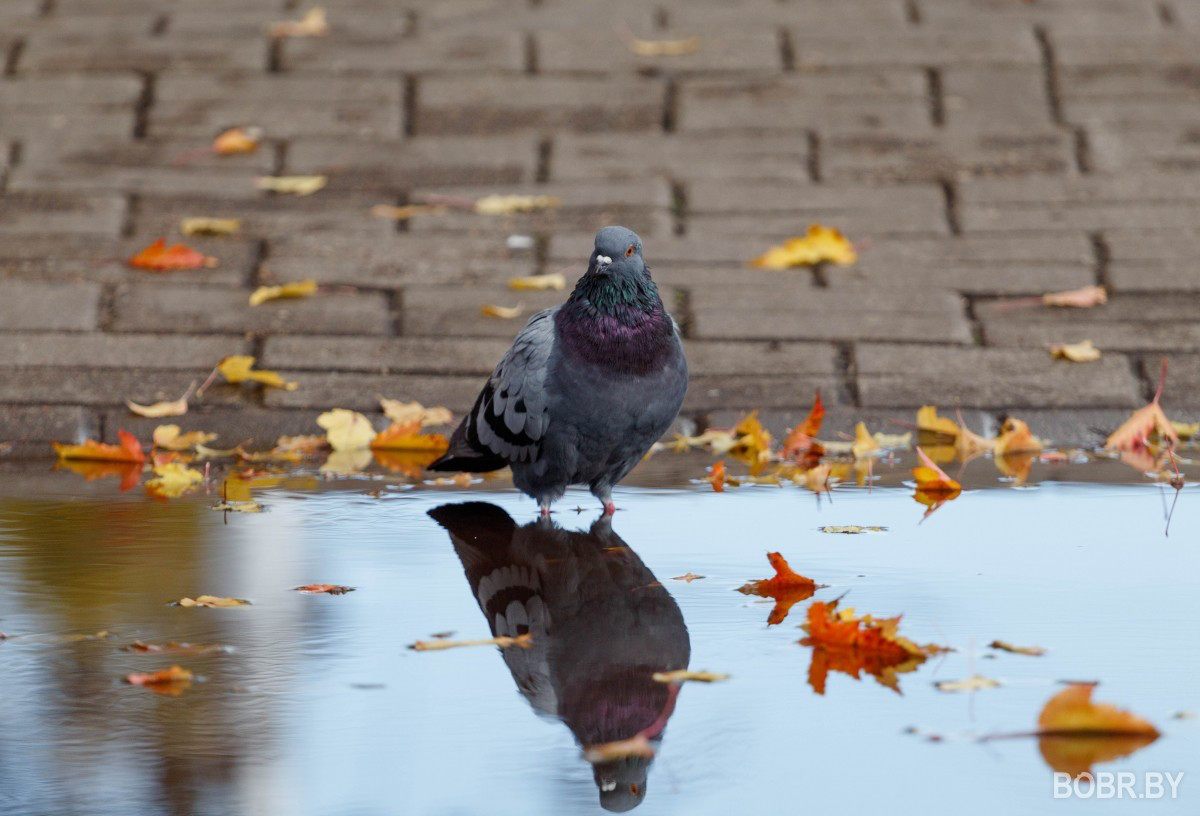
x: 602, y: 262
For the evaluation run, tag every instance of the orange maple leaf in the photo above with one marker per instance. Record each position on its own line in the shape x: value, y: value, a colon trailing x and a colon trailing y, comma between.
x: 787, y: 587
x: 324, y: 589
x: 129, y: 450
x: 170, y: 682
x: 802, y: 439
x: 1074, y: 732
x: 162, y: 258
x: 408, y: 436
x: 716, y: 476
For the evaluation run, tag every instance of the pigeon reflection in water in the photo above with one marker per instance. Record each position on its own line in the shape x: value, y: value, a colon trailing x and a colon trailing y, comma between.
x: 601, y: 623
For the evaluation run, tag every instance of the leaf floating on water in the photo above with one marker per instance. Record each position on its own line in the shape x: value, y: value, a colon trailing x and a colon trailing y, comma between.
x: 635, y: 746
x: 973, y: 683
x: 210, y: 226
x: 502, y: 312
x: 787, y: 587
x: 346, y: 430
x: 295, y: 289
x: 159, y: 257
x: 1034, y: 651
x: 405, y: 412
x: 210, y: 602
x: 1075, y: 732
x: 408, y: 436
x: 169, y: 437
x: 851, y: 529
x: 685, y: 675
x: 537, y: 283
x: 1082, y: 352
x: 801, y: 442
x: 159, y: 410
x: 129, y: 450
x: 291, y: 185
x: 312, y: 24
x: 934, y: 487
x: 237, y: 368
x: 237, y: 140
x: 1135, y: 433
x: 172, y: 480
x: 689, y: 577
x: 238, y: 507
x: 170, y: 682
x: 524, y: 641
x: 171, y: 647
x: 508, y: 204
x: 820, y: 245
x: 1084, y: 298
x: 324, y: 589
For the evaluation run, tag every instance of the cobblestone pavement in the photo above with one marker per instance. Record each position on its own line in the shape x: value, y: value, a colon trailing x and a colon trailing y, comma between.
x: 974, y: 150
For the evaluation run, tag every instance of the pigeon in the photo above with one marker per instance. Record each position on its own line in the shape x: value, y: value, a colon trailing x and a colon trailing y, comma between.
x: 602, y: 625
x: 587, y: 387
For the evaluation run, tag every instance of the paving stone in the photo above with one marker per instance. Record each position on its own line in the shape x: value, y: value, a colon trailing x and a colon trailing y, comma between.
x: 359, y: 391
x: 1076, y: 17
x: 708, y: 359
x: 954, y: 154
x: 386, y: 355
x: 1181, y: 396
x: 492, y: 104
x: 418, y: 162
x: 829, y: 102
x: 42, y: 108
x: 396, y: 259
x: 996, y: 100
x: 912, y: 47
x: 284, y: 106
x: 1145, y: 146
x: 267, y: 217
x: 976, y: 264
x: 106, y: 386
x: 1130, y: 322
x: 200, y: 309
x: 30, y: 305
x: 1006, y: 379
x: 1153, y: 261
x: 98, y: 350
x: 78, y: 49
x: 256, y: 428
x: 759, y: 392
x: 679, y: 156
x: 736, y: 311
x: 45, y: 423
x: 1124, y: 48
x: 375, y: 52
x: 686, y: 18
x: 729, y: 51
x: 30, y: 213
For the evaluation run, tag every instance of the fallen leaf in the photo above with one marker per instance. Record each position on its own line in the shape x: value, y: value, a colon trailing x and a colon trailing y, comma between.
x: 158, y: 410
x: 1186, y: 430
x: 1135, y: 432
x: 312, y: 24
x: 209, y: 226
x: 172, y: 480
x: 816, y: 478
x: 238, y: 507
x: 169, y: 437
x: 934, y: 487
x: 1035, y: 651
x: 502, y: 312
x: 864, y: 443
x: 662, y: 48
x: 1083, y: 298
x: 457, y: 480
x: 211, y: 602
x: 555, y: 281
x: 291, y: 185
x: 129, y: 450
x: 684, y: 675
x: 635, y: 746
x: 237, y: 140
x: 346, y: 430
x: 507, y: 204
x: 803, y: 438
x: 751, y: 442
x: 973, y: 683
x: 130, y: 473
x: 524, y: 641
x: 852, y: 529
x: 403, y: 413
x: 1081, y: 352
x: 1074, y: 733
x: 238, y: 368
x: 325, y: 589
x: 718, y: 479
x: 928, y: 422
x: 689, y: 577
x: 162, y: 258
x: 408, y: 436
x: 171, y: 647
x: 787, y: 587
x: 295, y: 289
x: 821, y: 244
x: 170, y: 682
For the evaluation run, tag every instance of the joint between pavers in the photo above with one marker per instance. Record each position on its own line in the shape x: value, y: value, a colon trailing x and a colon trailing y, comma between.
x: 1082, y: 148
x: 545, y: 155
x: 813, y: 159
x: 950, y: 205
x: 1049, y: 74
x: 145, y: 101
x: 159, y: 26
x: 936, y: 93
x: 679, y: 207
x: 670, y: 112
x: 912, y: 12
x: 531, y: 54
x: 1166, y: 14
x: 787, y: 50
x: 273, y: 58
x: 409, y: 100
x: 1102, y: 256
x: 396, y: 305
x: 848, y: 366
x: 13, y: 58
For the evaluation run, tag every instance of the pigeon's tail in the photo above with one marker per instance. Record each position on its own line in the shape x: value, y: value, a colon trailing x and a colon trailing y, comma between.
x: 465, y: 456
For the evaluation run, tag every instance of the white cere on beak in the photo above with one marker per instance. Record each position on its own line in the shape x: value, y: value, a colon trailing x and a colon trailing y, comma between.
x: 607, y: 785
x: 603, y: 260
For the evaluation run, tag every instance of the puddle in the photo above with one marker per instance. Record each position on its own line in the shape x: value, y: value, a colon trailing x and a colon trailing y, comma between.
x: 319, y: 707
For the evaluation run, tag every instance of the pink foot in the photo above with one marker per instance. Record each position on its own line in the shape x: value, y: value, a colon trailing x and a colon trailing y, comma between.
x: 545, y: 511
x: 609, y: 508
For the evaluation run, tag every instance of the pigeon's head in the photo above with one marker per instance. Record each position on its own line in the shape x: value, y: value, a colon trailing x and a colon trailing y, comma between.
x: 618, y: 252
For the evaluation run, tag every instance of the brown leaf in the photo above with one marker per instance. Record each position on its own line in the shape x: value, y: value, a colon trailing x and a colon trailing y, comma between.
x: 1083, y: 298
x: 325, y: 589
x: 210, y: 602
x: 1004, y: 646
x: 524, y: 641
x: 170, y: 682
x: 162, y: 258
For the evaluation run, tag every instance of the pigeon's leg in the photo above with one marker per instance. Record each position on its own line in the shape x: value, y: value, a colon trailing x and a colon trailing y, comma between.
x: 604, y: 494
x: 544, y: 509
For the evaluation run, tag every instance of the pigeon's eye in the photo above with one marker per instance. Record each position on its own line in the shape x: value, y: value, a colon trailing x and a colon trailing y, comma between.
x: 629, y: 251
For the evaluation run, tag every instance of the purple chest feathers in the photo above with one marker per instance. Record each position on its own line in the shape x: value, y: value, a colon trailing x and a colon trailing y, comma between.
x: 622, y: 338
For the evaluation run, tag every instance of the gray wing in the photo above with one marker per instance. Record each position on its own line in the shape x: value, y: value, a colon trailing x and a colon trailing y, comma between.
x: 510, y: 417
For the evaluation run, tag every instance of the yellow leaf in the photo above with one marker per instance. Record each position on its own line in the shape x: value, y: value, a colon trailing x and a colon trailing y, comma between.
x: 507, y: 204
x: 662, y: 48
x: 524, y: 641
x: 929, y: 422
x: 169, y: 437
x: 1072, y: 711
x: 211, y: 602
x: 295, y: 289
x: 237, y: 368
x: 502, y: 312
x: 346, y: 430
x: 172, y: 480
x: 291, y: 185
x: 973, y: 683
x: 864, y: 443
x: 408, y: 436
x: 682, y: 675
x: 312, y: 24
x: 402, y: 413
x: 821, y: 244
x: 1083, y: 298
x: 209, y: 226
x: 237, y: 140
x: 1015, y: 437
x: 903, y: 440
x: 1186, y: 430
x: 238, y: 507
x: 1081, y: 352
x: 555, y: 281
x: 159, y: 410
